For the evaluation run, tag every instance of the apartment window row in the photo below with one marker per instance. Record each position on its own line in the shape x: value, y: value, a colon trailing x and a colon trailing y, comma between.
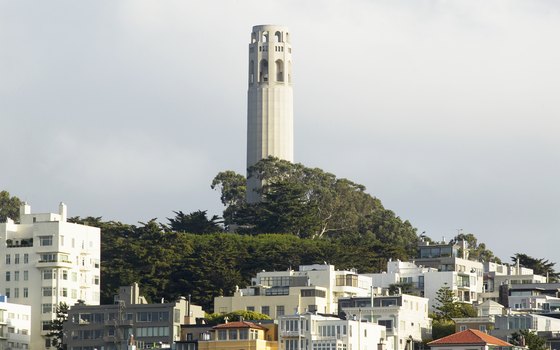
x: 16, y: 275
x: 332, y: 330
x: 24, y: 294
x: 63, y: 292
x: 153, y: 316
x: 237, y: 334
x: 17, y: 258
x: 152, y: 332
x: 16, y: 345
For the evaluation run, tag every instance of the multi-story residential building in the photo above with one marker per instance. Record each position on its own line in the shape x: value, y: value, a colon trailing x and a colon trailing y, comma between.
x: 312, y: 288
x: 530, y: 296
x: 448, y: 257
x: 505, y: 325
x: 192, y: 334
x: 405, y: 317
x: 425, y: 281
x: 323, y: 332
x: 238, y: 335
x: 47, y: 261
x: 498, y: 275
x: 110, y: 326
x: 15, y: 325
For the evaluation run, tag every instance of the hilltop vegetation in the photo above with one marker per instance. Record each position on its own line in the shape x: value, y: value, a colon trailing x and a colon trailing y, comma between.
x: 306, y: 216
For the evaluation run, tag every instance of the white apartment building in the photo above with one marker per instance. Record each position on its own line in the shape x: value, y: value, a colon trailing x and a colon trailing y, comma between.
x: 46, y: 260
x: 497, y: 275
x: 15, y: 325
x: 465, y: 284
x: 404, y: 316
x: 318, y: 332
x: 314, y: 288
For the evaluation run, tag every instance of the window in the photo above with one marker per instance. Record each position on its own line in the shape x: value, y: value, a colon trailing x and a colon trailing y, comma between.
x: 222, y: 334
x: 16, y: 292
x: 25, y: 258
x: 45, y: 240
x: 462, y: 328
x: 265, y: 310
x: 482, y: 328
x: 96, y: 280
x: 279, y: 310
x: 47, y: 308
x: 64, y: 274
x: 25, y: 275
x: 25, y: 293
x: 16, y: 275
x: 48, y: 291
x: 243, y: 334
x: 16, y: 259
x: 64, y: 292
x: 7, y: 292
x: 250, y: 308
x: 8, y: 276
x: 233, y: 334
x: 8, y: 259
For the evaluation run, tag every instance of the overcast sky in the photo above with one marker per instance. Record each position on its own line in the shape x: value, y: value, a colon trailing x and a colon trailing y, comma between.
x: 448, y: 111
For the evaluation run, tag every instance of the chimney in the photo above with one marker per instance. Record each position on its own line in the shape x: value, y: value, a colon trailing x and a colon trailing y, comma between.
x: 63, y: 211
x: 24, y: 209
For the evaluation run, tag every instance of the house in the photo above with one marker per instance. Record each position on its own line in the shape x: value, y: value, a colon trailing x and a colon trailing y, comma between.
x: 313, y: 288
x: 328, y: 332
x: 241, y: 335
x: 484, y: 321
x: 46, y: 261
x: 470, y: 339
x: 130, y: 317
x: 404, y: 316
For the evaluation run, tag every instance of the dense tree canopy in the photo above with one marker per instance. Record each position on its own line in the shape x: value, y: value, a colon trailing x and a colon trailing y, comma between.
x: 310, y: 203
x: 9, y: 206
x: 528, y: 338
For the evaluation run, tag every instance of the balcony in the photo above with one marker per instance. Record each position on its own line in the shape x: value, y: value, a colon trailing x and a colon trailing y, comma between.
x: 53, y: 264
x: 115, y: 323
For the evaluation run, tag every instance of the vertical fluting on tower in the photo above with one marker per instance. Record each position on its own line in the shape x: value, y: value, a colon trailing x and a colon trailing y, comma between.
x: 270, y: 111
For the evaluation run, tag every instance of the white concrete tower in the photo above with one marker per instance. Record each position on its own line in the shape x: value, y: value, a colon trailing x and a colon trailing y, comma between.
x: 270, y: 111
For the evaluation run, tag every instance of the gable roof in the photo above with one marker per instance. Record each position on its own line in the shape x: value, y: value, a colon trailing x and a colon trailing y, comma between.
x: 238, y: 324
x: 469, y: 337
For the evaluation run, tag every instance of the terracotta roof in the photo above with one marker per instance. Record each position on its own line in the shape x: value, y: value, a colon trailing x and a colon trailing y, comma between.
x: 238, y: 324
x: 469, y: 337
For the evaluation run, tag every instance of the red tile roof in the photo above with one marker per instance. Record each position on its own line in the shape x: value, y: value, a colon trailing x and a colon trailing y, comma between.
x: 469, y: 337
x: 238, y: 324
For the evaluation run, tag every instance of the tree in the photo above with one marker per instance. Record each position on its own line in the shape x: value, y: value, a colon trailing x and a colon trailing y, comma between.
x: 195, y: 222
x: 447, y: 307
x: 57, y: 325
x: 9, y: 206
x: 526, y: 337
x: 310, y: 203
x: 540, y: 266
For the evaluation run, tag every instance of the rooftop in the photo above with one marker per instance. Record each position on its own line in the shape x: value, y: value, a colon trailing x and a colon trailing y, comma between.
x: 469, y: 337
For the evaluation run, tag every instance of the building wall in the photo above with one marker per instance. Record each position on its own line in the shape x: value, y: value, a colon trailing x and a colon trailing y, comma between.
x: 15, y: 325
x: 46, y: 261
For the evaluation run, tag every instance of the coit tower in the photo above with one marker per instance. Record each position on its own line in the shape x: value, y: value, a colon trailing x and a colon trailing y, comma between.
x: 270, y: 111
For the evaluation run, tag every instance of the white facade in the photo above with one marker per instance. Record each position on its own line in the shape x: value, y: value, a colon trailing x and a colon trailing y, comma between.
x: 46, y: 261
x: 404, y: 316
x: 270, y: 115
x: 15, y: 325
x: 312, y: 288
x: 316, y: 332
x: 465, y: 284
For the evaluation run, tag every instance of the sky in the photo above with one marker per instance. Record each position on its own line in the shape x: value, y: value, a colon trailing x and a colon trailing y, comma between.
x: 447, y: 111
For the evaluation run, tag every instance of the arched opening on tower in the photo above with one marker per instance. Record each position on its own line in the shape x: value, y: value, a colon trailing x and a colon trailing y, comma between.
x: 264, y: 38
x: 279, y: 70
x: 278, y: 36
x: 252, y: 72
x: 263, y: 71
